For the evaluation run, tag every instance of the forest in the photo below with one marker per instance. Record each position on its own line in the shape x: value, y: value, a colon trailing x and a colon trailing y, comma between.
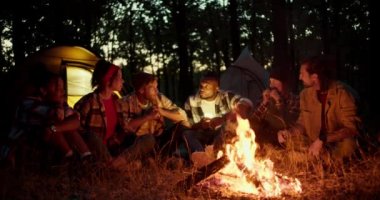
x: 178, y: 39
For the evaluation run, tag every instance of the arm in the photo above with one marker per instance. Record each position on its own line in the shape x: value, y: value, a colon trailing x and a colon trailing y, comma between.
x: 297, y: 127
x: 133, y: 124
x: 238, y: 104
x: 188, y: 112
x: 292, y: 110
x: 68, y: 124
x: 169, y: 110
x: 173, y: 115
x: 260, y: 111
x: 241, y: 106
x: 83, y: 108
x: 209, y: 124
x: 347, y: 117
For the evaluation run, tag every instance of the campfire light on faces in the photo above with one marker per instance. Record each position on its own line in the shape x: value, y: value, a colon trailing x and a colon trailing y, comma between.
x: 246, y: 175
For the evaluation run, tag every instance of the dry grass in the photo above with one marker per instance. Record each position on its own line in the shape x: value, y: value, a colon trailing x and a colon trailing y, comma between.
x: 326, y: 179
x: 156, y: 179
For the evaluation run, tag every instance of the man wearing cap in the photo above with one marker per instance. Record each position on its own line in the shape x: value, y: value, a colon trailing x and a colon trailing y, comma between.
x: 278, y: 109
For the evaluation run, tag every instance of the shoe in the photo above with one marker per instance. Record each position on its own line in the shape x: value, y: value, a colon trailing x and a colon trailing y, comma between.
x: 88, y: 159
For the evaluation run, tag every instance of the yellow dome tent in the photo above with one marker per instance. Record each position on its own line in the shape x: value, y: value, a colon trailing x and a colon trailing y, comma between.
x: 74, y: 63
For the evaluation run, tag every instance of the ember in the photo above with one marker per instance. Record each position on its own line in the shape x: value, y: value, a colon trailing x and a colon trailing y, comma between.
x: 246, y: 175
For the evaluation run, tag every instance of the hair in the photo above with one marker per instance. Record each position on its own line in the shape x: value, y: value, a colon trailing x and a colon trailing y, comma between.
x: 41, y: 76
x: 324, y: 66
x: 210, y: 75
x: 100, y: 71
x: 140, y: 79
x: 38, y: 77
x: 282, y: 75
x: 279, y: 73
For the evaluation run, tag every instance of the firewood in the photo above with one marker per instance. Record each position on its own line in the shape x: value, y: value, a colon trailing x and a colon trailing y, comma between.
x: 202, y: 173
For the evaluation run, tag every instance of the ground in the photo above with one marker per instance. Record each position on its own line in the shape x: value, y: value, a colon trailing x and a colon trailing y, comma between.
x: 156, y: 179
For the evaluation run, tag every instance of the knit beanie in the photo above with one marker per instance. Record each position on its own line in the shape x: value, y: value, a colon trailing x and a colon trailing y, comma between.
x: 279, y: 73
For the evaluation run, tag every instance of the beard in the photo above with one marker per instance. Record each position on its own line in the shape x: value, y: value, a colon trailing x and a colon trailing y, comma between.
x: 307, y: 85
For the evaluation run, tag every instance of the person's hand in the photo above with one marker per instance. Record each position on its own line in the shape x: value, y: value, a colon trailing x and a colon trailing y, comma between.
x: 159, y: 110
x: 274, y: 94
x: 216, y: 122
x: 315, y: 147
x: 154, y: 114
x: 283, y: 135
x: 204, y: 123
x: 60, y: 113
x: 266, y: 96
x: 48, y: 134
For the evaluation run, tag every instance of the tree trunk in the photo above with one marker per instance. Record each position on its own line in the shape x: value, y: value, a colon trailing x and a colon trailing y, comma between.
x: 226, y: 53
x: 253, y: 27
x: 179, y: 17
x: 337, y: 6
x: 2, y: 54
x: 131, y: 45
x: 324, y: 26
x: 373, y: 65
x: 59, y: 34
x: 280, y: 34
x: 234, y: 28
x: 215, y: 48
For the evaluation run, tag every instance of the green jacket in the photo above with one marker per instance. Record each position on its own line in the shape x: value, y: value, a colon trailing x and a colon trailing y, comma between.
x: 340, y: 111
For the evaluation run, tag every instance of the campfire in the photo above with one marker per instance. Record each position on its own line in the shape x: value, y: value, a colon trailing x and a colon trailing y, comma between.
x: 239, y: 173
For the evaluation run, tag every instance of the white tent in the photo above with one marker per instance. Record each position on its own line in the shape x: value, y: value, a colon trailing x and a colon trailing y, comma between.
x: 245, y: 77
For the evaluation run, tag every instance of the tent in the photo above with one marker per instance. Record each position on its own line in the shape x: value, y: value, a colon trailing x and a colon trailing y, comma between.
x: 245, y: 77
x: 74, y: 63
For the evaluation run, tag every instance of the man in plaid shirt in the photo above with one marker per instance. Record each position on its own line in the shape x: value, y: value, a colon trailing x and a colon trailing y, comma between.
x: 146, y: 110
x: 43, y: 118
x: 206, y: 112
x: 278, y: 109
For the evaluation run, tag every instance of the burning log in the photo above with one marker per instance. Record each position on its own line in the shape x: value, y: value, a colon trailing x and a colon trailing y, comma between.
x: 241, y: 172
x: 250, y: 177
x: 202, y: 173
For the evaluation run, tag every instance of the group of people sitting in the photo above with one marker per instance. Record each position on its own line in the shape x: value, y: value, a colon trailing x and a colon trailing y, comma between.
x: 103, y: 127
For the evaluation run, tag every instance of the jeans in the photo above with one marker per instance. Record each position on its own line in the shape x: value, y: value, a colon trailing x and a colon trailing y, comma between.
x: 142, y: 146
x: 197, y: 139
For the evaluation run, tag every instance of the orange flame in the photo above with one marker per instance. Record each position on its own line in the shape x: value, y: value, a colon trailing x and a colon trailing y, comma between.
x: 245, y: 174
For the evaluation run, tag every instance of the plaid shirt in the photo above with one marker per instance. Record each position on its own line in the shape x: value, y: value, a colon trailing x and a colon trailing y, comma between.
x: 93, y: 117
x: 32, y: 115
x: 133, y: 109
x: 289, y: 109
x: 224, y: 102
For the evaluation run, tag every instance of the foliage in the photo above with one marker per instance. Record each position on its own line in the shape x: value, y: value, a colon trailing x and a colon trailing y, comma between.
x: 144, y: 35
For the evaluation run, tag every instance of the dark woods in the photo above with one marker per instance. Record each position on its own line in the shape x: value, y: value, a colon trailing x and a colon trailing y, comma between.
x: 176, y: 38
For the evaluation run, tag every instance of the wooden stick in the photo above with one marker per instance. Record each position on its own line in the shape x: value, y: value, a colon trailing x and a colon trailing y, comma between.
x: 202, y: 173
